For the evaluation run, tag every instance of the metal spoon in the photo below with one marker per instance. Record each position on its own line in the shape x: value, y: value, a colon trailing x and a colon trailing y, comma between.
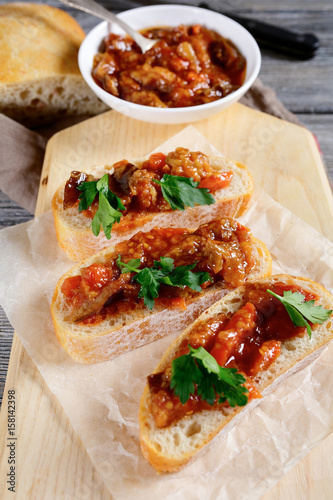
x: 97, y: 10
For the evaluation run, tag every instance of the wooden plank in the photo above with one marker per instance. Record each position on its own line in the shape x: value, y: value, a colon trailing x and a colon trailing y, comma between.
x: 322, y: 127
x: 52, y: 463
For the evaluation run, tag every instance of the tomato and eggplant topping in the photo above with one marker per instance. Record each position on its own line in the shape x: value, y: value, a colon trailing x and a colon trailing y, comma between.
x: 188, y: 66
x: 166, y: 266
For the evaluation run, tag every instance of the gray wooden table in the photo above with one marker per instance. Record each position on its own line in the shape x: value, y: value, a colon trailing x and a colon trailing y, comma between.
x: 305, y: 87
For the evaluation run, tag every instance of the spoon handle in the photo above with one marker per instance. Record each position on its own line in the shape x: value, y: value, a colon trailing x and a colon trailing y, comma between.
x: 92, y: 7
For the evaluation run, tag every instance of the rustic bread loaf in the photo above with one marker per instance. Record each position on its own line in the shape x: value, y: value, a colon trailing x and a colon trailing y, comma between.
x: 78, y: 242
x: 126, y: 330
x: 39, y: 74
x: 170, y: 448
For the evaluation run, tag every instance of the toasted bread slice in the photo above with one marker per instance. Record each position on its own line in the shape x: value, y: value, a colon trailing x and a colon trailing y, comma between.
x: 78, y: 241
x: 127, y: 330
x: 169, y: 448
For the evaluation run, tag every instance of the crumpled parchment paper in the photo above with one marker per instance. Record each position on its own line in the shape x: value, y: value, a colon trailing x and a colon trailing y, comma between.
x: 252, y: 453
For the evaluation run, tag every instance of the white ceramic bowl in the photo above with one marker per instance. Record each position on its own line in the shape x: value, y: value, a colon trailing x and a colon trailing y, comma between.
x: 172, y: 15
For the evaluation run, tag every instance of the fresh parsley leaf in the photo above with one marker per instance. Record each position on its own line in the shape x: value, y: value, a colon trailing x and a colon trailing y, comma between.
x: 301, y: 310
x: 106, y: 216
x: 229, y: 386
x: 130, y: 267
x: 208, y: 361
x: 182, y: 276
x: 163, y: 271
x: 149, y: 279
x: 166, y: 265
x: 96, y: 225
x: 199, y: 371
x: 184, y: 374
x: 226, y: 380
x: 108, y: 204
x: 206, y: 388
x: 181, y: 192
x: 103, y: 187
x: 89, y: 192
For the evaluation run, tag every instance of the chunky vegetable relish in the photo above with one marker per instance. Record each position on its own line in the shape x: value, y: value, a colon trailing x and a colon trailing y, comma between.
x: 189, y: 66
x: 223, y: 248
x: 135, y: 186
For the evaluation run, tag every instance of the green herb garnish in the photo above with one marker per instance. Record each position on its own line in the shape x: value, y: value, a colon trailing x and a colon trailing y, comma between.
x: 301, y: 310
x: 109, y: 205
x: 181, y: 192
x: 199, y: 371
x: 162, y: 272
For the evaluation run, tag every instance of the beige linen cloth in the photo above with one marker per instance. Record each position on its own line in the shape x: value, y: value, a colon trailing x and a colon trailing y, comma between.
x: 22, y: 150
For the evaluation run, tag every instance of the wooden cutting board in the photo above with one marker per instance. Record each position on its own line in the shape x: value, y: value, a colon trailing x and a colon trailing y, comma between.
x: 51, y: 462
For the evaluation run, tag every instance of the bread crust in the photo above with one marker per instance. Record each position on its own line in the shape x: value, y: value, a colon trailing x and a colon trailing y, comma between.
x: 115, y: 336
x: 78, y: 242
x: 39, y: 74
x: 21, y: 24
x: 155, y: 443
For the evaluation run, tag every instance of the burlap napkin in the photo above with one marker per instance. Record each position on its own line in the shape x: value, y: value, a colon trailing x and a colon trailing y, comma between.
x: 22, y: 150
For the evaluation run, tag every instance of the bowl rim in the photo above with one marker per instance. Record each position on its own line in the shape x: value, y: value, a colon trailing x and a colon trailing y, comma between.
x: 234, y: 96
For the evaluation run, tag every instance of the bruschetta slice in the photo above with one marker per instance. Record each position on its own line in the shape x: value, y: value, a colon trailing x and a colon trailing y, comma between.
x: 240, y: 345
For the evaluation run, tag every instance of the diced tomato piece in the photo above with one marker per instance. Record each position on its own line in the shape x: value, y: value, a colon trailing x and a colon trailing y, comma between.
x: 71, y: 286
x: 178, y: 302
x: 192, y: 76
x: 239, y: 327
x: 157, y: 161
x: 196, y: 29
x: 94, y: 319
x: 253, y: 391
x: 267, y: 354
x: 172, y: 302
x: 96, y: 276
x: 215, y: 182
x: 120, y: 164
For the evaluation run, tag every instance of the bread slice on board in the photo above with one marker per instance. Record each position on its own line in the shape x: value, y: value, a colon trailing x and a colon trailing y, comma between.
x: 124, y: 331
x: 39, y: 75
x: 170, y: 448
x: 78, y: 241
